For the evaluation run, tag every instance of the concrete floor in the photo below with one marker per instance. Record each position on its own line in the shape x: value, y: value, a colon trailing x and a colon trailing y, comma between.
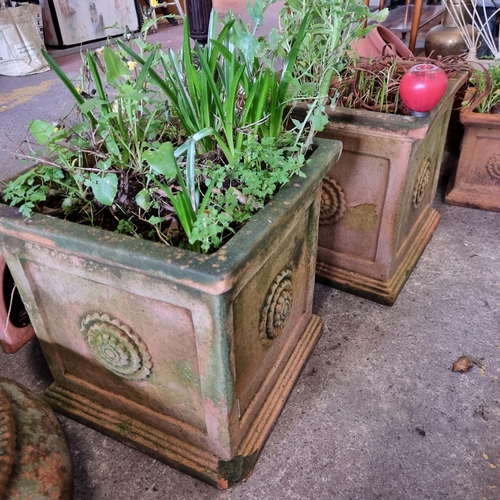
x: 377, y: 412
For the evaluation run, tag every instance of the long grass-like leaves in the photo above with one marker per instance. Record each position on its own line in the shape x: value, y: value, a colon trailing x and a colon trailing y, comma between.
x: 185, y: 203
x: 276, y: 119
x: 68, y: 83
x: 210, y: 81
x: 144, y: 71
x: 97, y: 78
x: 153, y: 74
x: 189, y: 148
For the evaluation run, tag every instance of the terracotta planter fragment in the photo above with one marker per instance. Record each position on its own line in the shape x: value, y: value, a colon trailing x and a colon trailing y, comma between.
x: 476, y: 181
x: 381, y: 41
x: 15, y: 329
x: 187, y: 357
x: 377, y: 211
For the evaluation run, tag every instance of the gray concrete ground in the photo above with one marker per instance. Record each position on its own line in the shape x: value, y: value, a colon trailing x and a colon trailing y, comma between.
x: 377, y: 412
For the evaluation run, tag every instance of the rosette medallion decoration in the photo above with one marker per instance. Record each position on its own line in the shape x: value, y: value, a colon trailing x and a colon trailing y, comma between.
x: 493, y: 167
x: 278, y: 304
x: 333, y: 202
x: 116, y: 347
x: 423, y: 178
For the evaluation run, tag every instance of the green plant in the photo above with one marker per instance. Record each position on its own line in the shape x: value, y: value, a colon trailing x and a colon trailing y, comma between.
x: 484, y: 90
x: 334, y: 26
x: 182, y: 148
x: 230, y: 86
x: 101, y: 149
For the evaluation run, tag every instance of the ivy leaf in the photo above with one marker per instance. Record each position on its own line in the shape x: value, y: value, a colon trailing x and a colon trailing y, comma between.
x: 162, y: 160
x: 104, y: 188
x: 90, y: 104
x: 155, y: 220
x: 115, y: 66
x: 247, y: 44
x: 104, y: 165
x: 256, y: 11
x: 41, y: 131
x: 111, y: 145
x: 143, y: 199
x: 319, y: 120
x: 128, y: 92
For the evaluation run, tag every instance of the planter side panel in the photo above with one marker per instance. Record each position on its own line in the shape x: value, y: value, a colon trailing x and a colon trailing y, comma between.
x: 476, y: 182
x: 124, y: 339
x: 275, y: 306
x: 359, y: 235
x: 421, y: 182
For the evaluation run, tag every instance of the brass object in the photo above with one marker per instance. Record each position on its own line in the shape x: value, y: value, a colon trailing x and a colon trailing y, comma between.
x: 446, y: 39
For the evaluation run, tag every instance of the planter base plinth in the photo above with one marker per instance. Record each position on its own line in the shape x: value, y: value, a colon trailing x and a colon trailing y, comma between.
x: 474, y: 197
x: 383, y: 291
x: 177, y: 453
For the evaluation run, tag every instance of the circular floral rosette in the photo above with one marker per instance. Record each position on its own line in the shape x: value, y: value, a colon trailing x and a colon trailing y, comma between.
x: 116, y: 347
x: 333, y: 202
x: 423, y: 178
x: 277, y: 306
x: 7, y: 440
x: 493, y: 167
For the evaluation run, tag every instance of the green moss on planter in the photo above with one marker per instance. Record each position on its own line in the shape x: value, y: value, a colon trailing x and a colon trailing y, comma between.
x: 360, y: 218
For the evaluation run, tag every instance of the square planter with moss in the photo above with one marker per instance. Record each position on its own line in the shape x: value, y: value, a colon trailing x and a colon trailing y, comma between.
x: 476, y: 181
x: 377, y: 212
x: 187, y: 357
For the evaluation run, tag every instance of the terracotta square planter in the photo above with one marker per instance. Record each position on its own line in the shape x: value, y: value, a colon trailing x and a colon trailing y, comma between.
x: 476, y: 181
x: 377, y: 212
x: 187, y: 357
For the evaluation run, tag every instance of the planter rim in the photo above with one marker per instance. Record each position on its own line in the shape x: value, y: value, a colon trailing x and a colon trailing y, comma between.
x: 390, y: 124
x: 468, y: 117
x: 223, y: 266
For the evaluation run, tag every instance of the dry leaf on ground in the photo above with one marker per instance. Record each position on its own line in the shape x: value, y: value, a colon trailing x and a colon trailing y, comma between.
x: 462, y: 364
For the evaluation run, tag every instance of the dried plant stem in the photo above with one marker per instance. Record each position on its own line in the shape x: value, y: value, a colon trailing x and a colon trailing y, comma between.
x: 10, y: 309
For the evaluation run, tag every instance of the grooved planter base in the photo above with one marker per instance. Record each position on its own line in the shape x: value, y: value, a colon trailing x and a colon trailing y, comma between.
x: 476, y: 181
x: 187, y: 357
x: 179, y: 454
x: 377, y: 212
x: 382, y: 291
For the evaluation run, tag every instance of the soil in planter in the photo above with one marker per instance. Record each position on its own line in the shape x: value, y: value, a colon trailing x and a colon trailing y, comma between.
x: 112, y: 218
x: 126, y: 217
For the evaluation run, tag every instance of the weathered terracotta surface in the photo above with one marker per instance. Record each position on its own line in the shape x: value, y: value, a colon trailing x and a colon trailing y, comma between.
x: 34, y: 459
x: 187, y: 357
x: 7, y: 440
x: 377, y: 211
x: 476, y: 182
x: 14, y: 332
